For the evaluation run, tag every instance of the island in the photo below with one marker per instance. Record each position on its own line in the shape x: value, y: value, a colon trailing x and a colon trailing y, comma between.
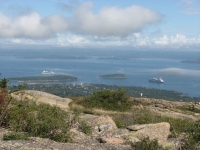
x: 39, y: 79
x: 113, y: 76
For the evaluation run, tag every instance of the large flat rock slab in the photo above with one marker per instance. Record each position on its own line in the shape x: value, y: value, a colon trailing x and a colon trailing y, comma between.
x: 46, y: 144
x: 42, y: 97
x: 99, y: 124
x: 159, y: 131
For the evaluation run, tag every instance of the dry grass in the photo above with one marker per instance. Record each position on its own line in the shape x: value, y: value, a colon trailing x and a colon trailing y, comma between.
x: 95, y: 111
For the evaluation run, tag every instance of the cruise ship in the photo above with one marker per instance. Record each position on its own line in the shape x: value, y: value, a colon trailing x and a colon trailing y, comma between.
x: 156, y: 80
x: 47, y: 72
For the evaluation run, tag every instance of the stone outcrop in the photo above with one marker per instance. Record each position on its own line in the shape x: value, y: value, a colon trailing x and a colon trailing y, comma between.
x: 117, y: 136
x: 159, y: 131
x: 105, y: 130
x: 168, y: 108
x: 42, y: 97
x: 46, y: 144
x: 99, y: 123
x: 80, y: 137
x: 105, y: 134
x: 136, y: 133
x: 163, y: 103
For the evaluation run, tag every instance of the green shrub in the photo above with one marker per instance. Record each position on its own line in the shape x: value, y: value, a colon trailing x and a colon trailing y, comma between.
x: 108, y: 99
x: 4, y: 83
x: 147, y: 144
x: 15, y: 136
x: 4, y: 101
x: 85, y: 128
x: 191, y: 109
x: 145, y: 116
x: 189, y: 144
x: 194, y: 131
x: 40, y: 120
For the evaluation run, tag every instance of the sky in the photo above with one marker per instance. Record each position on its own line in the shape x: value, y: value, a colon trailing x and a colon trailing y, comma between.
x: 100, y: 24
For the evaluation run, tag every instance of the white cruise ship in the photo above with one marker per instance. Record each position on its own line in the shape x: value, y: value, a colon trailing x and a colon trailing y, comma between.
x: 47, y: 72
x: 156, y: 80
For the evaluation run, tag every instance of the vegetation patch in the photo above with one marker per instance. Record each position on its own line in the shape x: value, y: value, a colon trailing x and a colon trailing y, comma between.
x: 147, y: 144
x: 38, y: 120
x: 190, y: 109
x: 15, y: 136
x: 108, y: 100
x: 145, y: 116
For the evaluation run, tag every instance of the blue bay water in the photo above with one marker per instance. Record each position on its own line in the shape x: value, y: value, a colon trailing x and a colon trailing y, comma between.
x: 87, y: 65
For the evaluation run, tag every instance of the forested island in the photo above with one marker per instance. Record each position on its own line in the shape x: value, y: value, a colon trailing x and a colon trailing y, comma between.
x: 113, y: 76
x: 47, y: 78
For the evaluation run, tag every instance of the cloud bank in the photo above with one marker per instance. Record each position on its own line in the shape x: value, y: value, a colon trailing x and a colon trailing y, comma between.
x: 114, y: 27
x: 31, y: 26
x: 113, y: 21
x: 179, y: 72
x: 109, y: 21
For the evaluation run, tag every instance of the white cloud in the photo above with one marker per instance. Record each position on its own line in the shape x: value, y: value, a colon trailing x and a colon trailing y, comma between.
x: 113, y: 21
x: 111, y: 26
x: 162, y: 41
x: 177, y: 41
x: 109, y: 21
x: 78, y: 41
x: 31, y: 26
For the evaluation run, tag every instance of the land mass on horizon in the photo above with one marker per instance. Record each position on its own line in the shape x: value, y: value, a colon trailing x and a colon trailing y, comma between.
x: 113, y: 76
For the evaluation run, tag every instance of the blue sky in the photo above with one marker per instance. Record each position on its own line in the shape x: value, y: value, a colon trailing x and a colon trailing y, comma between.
x: 131, y: 24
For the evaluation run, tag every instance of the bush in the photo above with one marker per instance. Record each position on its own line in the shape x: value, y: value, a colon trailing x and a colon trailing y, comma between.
x: 4, y: 101
x: 145, y: 116
x: 191, y: 109
x: 4, y: 83
x: 147, y: 144
x: 15, y: 136
x: 85, y: 128
x: 194, y: 131
x: 107, y: 99
x: 38, y: 120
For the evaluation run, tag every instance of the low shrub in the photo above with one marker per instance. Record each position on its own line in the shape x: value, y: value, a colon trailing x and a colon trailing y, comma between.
x: 16, y: 136
x: 39, y: 120
x: 4, y: 101
x: 145, y: 116
x: 85, y: 128
x: 147, y: 144
x: 107, y: 99
x: 191, y: 109
x: 194, y: 131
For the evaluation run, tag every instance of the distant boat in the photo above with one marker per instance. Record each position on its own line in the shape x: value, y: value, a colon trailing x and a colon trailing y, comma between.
x: 47, y: 72
x: 156, y: 80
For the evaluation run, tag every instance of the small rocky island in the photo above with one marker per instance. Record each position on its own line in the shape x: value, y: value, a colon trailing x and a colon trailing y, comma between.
x: 113, y: 76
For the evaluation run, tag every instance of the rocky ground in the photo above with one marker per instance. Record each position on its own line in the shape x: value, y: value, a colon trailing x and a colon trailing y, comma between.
x: 105, y: 134
x: 169, y: 108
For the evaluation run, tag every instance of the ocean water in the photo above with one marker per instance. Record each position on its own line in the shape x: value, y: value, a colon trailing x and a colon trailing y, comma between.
x: 87, y: 65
